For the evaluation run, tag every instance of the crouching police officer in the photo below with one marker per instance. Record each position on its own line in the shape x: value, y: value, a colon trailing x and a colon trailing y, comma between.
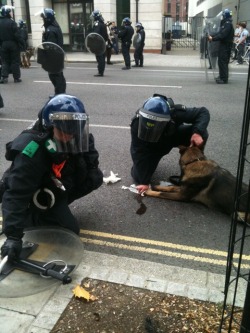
x: 53, y: 163
x: 157, y: 128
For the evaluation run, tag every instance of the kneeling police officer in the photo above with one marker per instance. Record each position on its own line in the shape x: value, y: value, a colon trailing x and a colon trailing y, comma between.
x: 159, y: 126
x: 54, y: 162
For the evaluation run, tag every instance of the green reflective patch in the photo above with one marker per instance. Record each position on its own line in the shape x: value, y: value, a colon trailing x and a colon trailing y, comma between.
x: 31, y: 149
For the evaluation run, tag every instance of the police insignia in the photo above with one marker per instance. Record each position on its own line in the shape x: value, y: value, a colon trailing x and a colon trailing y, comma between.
x: 30, y: 149
x: 51, y: 146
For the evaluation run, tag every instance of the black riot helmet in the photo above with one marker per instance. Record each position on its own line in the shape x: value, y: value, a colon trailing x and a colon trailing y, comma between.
x: 6, y: 11
x: 67, y: 114
x: 154, y: 117
x: 48, y: 15
x: 126, y: 21
x: 96, y: 15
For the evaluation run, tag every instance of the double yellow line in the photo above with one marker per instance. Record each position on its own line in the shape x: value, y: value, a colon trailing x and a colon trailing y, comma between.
x: 157, y: 247
x: 166, y: 249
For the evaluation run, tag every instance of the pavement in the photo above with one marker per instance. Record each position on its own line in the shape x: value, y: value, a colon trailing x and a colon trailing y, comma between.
x: 39, y: 313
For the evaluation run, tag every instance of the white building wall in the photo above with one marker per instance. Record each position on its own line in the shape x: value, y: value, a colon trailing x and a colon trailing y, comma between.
x: 150, y: 14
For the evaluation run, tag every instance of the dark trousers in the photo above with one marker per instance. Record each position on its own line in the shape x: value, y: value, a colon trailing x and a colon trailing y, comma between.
x: 108, y: 53
x: 223, y: 60
x: 60, y: 214
x: 59, y: 82
x: 10, y: 55
x: 241, y: 48
x: 1, y: 102
x: 126, y: 54
x: 138, y: 55
x: 101, y: 63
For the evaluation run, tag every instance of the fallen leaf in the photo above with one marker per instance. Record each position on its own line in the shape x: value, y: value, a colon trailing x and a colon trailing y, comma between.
x: 81, y: 292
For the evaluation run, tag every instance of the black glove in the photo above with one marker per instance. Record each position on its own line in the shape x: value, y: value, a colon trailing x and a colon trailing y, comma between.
x: 12, y: 248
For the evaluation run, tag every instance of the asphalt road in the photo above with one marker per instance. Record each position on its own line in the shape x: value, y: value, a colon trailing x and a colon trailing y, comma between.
x: 179, y: 234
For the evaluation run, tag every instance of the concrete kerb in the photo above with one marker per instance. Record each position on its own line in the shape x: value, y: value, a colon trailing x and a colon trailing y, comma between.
x: 49, y: 305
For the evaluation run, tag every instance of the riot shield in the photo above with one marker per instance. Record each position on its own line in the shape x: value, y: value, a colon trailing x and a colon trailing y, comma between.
x: 95, y: 43
x: 137, y: 40
x: 51, y: 57
x: 210, y: 49
x: 48, y: 246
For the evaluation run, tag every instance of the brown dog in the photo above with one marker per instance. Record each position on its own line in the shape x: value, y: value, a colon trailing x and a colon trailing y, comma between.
x: 25, y: 57
x: 203, y: 181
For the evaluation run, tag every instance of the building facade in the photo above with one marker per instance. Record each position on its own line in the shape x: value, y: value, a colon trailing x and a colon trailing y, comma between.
x: 182, y: 18
x: 74, y: 18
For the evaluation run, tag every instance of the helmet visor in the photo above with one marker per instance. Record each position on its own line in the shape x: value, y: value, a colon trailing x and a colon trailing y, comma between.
x: 150, y: 126
x: 71, y: 132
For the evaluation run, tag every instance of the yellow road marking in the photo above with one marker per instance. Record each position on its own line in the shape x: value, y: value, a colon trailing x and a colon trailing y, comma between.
x: 159, y: 252
x: 159, y: 243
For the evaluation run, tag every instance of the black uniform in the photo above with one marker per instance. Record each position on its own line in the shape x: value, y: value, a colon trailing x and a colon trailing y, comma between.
x: 138, y: 54
x: 225, y: 36
x: 24, y: 35
x: 34, y: 164
x: 147, y: 155
x: 53, y: 34
x: 101, y: 29
x: 10, y: 42
x: 126, y: 34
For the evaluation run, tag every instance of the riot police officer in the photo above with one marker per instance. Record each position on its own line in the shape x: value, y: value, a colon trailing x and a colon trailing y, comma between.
x: 158, y: 126
x: 54, y: 162
x: 23, y: 33
x: 125, y: 35
x: 53, y: 34
x: 139, y: 43
x: 225, y: 36
x: 10, y: 41
x: 101, y: 29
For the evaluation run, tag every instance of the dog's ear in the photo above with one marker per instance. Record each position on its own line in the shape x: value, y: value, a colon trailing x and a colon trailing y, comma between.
x: 182, y: 149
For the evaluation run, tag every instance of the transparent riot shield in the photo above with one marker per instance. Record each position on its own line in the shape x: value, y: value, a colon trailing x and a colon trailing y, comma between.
x: 95, y: 43
x: 48, y: 246
x: 210, y: 49
x: 51, y: 57
x: 137, y: 40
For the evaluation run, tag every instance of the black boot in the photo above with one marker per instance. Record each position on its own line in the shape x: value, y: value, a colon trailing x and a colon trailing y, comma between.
x: 4, y: 80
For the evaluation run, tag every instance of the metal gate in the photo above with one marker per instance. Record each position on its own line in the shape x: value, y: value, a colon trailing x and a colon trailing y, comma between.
x: 236, y: 311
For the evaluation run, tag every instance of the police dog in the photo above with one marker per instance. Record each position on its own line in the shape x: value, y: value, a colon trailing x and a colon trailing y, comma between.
x: 204, y: 181
x: 25, y: 57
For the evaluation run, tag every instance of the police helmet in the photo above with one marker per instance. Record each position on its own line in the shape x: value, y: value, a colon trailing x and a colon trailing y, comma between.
x: 226, y: 13
x: 138, y: 25
x: 67, y: 116
x: 6, y: 10
x: 21, y: 23
x: 126, y: 21
x: 97, y: 15
x: 48, y: 15
x: 153, y: 117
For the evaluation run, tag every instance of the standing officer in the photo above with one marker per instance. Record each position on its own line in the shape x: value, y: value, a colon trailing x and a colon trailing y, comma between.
x: 10, y: 41
x: 53, y: 34
x: 54, y: 162
x: 225, y: 36
x: 158, y: 126
x: 126, y: 34
x: 101, y: 29
x: 139, y: 45
x: 24, y: 34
